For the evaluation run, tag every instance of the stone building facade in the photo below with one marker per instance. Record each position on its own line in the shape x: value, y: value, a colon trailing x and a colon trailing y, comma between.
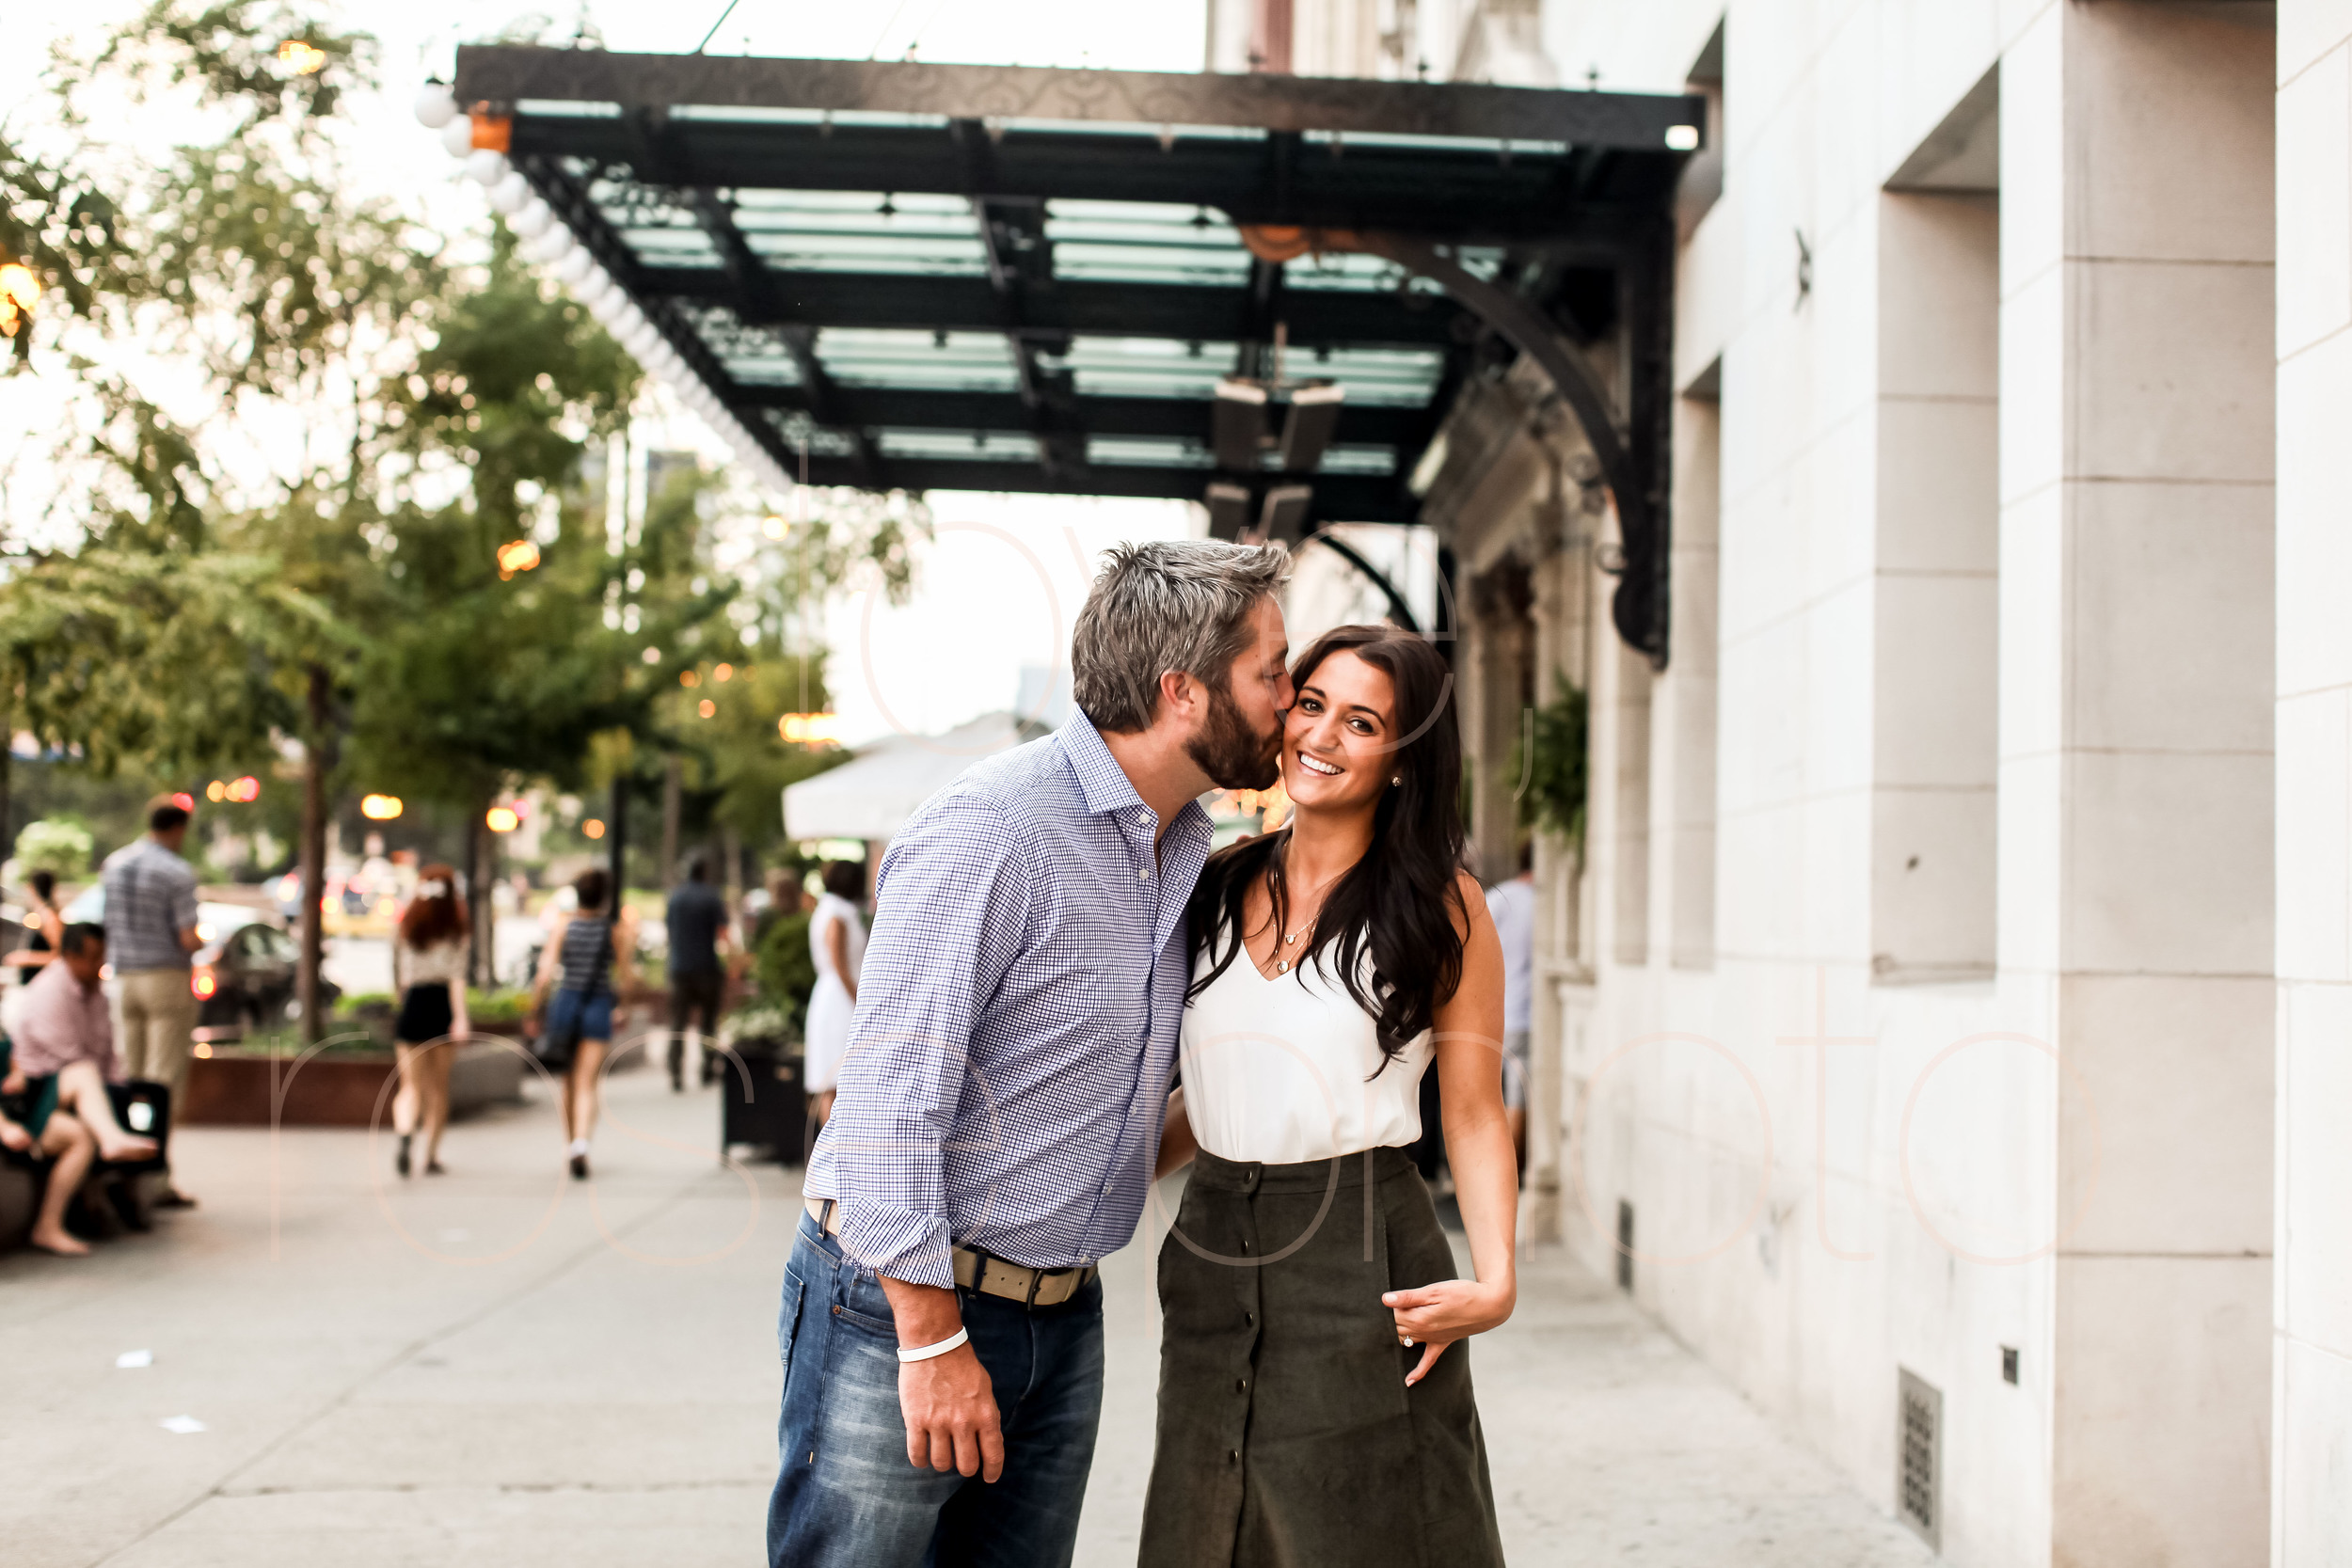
x: 1948, y: 1008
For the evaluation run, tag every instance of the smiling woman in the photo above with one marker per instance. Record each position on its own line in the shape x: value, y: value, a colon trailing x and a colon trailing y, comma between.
x: 1371, y: 735
x: 1367, y: 964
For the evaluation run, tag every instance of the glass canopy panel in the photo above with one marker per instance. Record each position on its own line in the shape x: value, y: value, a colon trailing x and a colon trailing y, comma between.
x: 1145, y: 367
x: 996, y: 446
x: 672, y: 247
x: 1385, y: 378
x: 852, y: 231
x: 798, y: 431
x: 1147, y: 452
x: 950, y: 362
x: 1138, y: 242
x: 1357, y: 460
x: 1351, y: 273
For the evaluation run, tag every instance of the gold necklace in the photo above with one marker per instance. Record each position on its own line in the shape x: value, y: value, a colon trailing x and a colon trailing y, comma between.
x: 1282, y: 962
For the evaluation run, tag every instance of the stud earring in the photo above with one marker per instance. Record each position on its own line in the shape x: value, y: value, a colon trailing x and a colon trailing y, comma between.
x: 1395, y: 779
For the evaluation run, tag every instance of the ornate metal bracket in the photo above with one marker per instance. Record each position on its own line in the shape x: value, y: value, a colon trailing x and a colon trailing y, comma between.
x: 1630, y: 458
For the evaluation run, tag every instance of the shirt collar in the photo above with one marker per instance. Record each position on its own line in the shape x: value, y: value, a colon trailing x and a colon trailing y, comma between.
x: 1104, y: 784
x: 1101, y: 779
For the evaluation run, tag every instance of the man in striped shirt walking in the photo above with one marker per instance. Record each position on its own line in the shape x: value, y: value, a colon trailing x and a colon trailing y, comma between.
x: 1009, y: 1067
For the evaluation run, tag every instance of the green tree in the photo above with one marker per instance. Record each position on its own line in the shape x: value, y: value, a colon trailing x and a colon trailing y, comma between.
x: 60, y: 845
x: 212, y: 611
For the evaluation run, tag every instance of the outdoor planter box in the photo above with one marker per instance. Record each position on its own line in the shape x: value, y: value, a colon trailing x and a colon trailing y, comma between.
x: 334, y: 1088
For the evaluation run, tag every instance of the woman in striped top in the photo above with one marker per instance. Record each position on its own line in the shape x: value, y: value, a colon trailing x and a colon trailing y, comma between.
x: 586, y: 964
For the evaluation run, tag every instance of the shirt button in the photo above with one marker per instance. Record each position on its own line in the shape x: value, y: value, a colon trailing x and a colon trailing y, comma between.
x: 1241, y: 1386
x: 1250, y: 1319
x: 1245, y: 1246
x: 1143, y: 876
x: 1234, y: 1457
x: 1106, y: 1189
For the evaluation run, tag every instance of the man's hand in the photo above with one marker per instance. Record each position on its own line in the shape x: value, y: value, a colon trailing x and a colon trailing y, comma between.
x: 948, y: 1402
x: 950, y: 1410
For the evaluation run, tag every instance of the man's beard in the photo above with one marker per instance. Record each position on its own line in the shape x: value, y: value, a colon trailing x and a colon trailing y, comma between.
x: 1234, y: 755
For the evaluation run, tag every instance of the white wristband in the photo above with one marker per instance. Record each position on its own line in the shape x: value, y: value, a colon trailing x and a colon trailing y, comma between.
x: 927, y: 1352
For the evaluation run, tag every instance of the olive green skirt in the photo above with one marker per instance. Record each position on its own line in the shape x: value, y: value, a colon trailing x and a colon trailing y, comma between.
x: 1287, y: 1436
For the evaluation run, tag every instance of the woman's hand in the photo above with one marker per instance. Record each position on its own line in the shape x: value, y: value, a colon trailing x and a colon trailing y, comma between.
x: 1435, y: 1315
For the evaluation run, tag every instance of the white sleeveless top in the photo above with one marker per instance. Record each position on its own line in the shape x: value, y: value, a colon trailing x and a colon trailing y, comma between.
x: 1281, y: 1071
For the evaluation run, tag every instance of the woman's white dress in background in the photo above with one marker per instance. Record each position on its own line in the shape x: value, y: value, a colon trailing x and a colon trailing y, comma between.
x: 828, y: 1006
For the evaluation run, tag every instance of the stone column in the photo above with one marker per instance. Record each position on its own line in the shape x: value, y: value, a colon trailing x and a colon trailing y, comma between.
x: 1684, y: 703
x: 2134, y: 895
x: 1559, y: 654
x: 2311, y: 1485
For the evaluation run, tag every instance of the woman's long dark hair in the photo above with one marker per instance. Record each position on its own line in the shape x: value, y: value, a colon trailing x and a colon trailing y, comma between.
x: 1401, y: 900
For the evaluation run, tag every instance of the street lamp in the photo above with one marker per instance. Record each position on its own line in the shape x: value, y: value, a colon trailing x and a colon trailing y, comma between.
x: 380, y: 808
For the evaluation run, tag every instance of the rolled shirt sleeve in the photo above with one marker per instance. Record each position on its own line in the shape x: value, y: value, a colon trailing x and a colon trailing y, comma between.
x: 953, y: 900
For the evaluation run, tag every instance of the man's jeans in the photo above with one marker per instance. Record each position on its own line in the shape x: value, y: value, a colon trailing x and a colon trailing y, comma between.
x: 846, y: 1493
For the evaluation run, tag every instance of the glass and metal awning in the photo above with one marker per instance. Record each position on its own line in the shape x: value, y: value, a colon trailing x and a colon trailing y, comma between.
x: 923, y: 277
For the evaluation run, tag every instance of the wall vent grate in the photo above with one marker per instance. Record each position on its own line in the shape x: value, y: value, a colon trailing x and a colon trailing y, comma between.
x: 1919, y: 1455
x: 1625, y: 1247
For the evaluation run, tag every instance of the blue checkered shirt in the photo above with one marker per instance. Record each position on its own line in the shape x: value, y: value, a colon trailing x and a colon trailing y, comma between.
x: 150, y: 899
x: 1016, y: 1022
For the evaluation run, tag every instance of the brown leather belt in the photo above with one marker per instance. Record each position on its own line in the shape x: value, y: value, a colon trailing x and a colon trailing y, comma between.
x: 992, y: 1276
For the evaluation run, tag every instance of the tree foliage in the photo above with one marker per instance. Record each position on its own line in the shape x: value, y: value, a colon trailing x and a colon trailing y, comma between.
x: 335, y: 578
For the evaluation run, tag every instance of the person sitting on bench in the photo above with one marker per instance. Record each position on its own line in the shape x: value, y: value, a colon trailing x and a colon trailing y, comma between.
x: 63, y: 1033
x: 37, y: 1129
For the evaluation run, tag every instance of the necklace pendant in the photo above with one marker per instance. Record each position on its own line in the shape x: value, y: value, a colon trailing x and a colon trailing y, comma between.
x: 1282, y: 966
x: 1288, y: 939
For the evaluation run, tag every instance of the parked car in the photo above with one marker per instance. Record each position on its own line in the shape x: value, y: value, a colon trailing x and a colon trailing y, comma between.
x: 243, y: 976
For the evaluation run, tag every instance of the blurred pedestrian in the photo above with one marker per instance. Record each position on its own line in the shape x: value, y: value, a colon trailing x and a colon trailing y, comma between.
x: 836, y: 940
x: 786, y: 898
x: 45, y: 921
x: 591, y: 950
x: 150, y: 931
x: 41, y: 917
x: 701, y: 945
x: 1512, y: 904
x: 429, y: 954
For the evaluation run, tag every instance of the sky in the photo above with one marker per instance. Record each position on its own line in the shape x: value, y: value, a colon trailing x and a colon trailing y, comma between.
x: 998, y: 587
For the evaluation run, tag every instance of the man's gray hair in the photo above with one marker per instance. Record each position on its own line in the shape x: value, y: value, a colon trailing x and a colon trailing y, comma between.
x: 1169, y: 604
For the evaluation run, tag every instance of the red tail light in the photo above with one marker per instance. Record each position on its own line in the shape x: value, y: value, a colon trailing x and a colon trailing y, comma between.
x: 201, y: 982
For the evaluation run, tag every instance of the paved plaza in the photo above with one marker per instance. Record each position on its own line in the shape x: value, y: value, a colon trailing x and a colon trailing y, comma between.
x: 501, y: 1367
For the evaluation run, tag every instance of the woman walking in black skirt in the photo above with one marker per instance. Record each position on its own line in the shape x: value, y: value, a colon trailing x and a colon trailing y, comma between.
x: 429, y: 967
x: 1312, y: 1411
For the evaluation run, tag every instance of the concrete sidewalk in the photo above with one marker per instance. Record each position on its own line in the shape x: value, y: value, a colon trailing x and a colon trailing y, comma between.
x: 499, y: 1366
